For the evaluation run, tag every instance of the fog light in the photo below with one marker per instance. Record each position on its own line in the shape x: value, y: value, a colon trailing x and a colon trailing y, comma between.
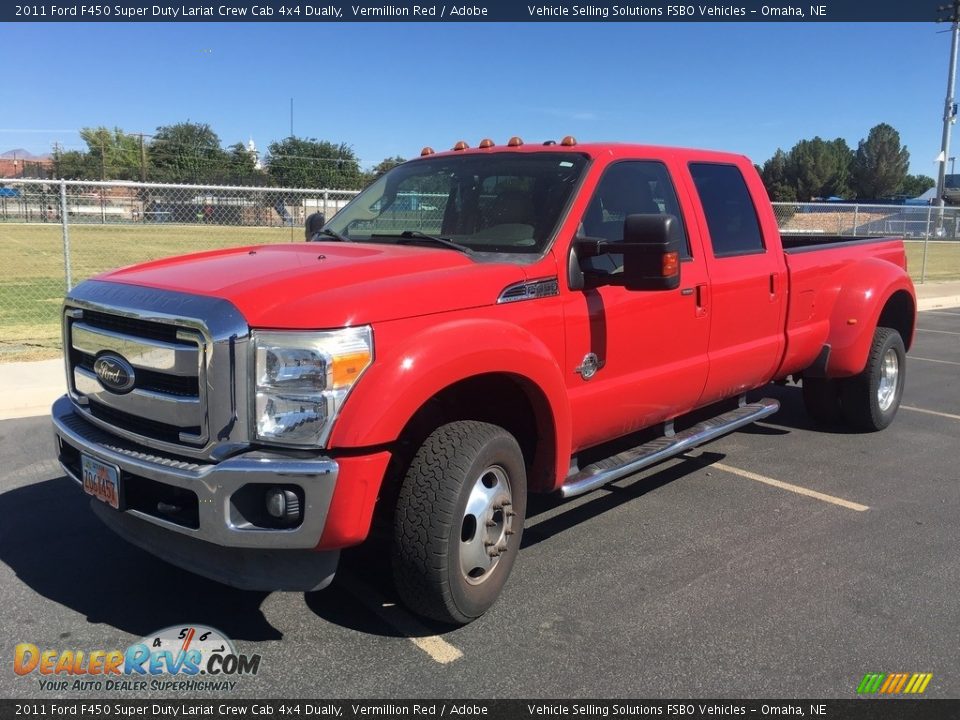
x: 283, y: 505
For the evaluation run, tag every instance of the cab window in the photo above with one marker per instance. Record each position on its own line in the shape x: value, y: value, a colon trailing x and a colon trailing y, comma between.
x: 728, y: 207
x: 628, y: 188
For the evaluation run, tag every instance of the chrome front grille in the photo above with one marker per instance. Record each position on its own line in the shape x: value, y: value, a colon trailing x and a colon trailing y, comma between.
x: 168, y: 399
x: 178, y: 362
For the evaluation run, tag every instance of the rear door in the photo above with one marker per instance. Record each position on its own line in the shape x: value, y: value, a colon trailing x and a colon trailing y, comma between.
x: 747, y: 282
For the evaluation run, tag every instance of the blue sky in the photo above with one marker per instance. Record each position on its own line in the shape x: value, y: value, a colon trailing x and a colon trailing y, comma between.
x: 388, y: 89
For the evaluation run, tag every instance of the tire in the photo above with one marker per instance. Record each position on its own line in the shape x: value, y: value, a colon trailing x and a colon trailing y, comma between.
x: 821, y: 398
x: 442, y: 567
x: 871, y: 399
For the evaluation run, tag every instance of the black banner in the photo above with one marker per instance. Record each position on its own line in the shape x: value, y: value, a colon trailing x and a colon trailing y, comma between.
x: 475, y: 11
x: 866, y: 709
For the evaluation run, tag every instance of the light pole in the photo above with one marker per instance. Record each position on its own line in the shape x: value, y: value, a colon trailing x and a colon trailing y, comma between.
x: 949, y: 108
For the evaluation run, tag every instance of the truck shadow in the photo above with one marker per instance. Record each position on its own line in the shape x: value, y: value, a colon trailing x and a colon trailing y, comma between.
x: 58, y: 548
x: 551, y: 515
x: 791, y: 416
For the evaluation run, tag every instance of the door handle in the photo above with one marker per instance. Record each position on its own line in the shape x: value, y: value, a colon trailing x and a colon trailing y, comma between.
x: 701, y: 292
x: 773, y: 285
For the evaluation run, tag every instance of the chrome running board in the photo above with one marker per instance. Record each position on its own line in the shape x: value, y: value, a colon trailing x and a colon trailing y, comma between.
x: 643, y: 456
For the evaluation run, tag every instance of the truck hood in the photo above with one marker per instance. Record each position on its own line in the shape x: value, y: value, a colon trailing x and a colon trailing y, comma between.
x: 329, y: 284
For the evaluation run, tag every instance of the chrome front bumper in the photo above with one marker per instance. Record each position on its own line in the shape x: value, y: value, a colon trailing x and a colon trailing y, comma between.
x: 215, y: 537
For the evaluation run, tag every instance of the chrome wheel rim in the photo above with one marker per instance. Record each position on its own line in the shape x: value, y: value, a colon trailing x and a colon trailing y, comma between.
x: 486, y: 525
x: 889, y: 378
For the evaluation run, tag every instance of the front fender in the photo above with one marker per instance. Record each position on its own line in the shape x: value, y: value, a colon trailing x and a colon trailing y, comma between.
x: 415, y: 360
x: 864, y: 291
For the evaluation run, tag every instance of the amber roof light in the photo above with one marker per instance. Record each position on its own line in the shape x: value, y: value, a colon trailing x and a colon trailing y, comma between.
x: 486, y: 143
x: 461, y: 145
x: 426, y: 151
x: 515, y: 141
x: 569, y: 141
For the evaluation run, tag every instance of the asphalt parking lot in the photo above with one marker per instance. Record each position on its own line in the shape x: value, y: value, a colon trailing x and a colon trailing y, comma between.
x: 779, y: 561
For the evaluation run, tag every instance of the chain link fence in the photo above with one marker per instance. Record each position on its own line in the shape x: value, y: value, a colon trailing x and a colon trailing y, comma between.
x: 54, y: 234
x: 931, y: 234
x: 915, y: 222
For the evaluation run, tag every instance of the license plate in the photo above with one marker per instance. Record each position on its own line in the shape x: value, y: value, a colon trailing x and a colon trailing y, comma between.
x: 102, y: 481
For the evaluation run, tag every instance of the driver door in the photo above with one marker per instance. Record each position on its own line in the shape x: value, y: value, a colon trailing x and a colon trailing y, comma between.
x: 651, y: 345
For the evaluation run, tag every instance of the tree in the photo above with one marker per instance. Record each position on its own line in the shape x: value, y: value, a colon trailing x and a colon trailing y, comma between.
x: 110, y: 155
x: 241, y: 167
x: 880, y: 165
x: 916, y: 185
x: 820, y: 168
x: 115, y: 153
x: 382, y: 167
x: 75, y: 165
x: 187, y: 153
x: 309, y: 163
x: 778, y: 179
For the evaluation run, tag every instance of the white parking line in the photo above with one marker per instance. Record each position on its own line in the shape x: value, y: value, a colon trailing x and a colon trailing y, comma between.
x: 930, y: 412
x: 941, y: 332
x: 790, y: 487
x: 942, y: 312
x: 435, y: 646
x: 945, y: 362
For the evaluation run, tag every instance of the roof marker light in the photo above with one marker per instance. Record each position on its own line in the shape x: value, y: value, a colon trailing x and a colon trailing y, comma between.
x: 486, y: 143
x: 515, y: 141
x: 461, y: 145
x: 569, y: 141
x: 426, y: 151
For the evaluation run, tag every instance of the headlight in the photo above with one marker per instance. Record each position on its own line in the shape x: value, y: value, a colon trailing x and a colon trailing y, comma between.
x: 302, y: 379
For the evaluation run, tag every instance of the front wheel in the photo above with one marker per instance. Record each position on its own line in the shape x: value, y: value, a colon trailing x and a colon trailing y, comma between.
x: 459, y: 521
x: 871, y: 399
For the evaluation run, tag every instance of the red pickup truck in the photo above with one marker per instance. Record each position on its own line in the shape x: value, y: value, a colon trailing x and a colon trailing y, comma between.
x: 476, y: 325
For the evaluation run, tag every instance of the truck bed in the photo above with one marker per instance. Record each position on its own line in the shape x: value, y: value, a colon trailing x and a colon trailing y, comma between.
x: 818, y: 266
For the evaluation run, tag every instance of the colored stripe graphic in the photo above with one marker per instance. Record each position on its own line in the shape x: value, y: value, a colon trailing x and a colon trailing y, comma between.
x: 894, y: 683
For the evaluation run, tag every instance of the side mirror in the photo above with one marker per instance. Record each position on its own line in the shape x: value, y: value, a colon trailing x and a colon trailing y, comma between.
x: 650, y: 250
x: 313, y: 224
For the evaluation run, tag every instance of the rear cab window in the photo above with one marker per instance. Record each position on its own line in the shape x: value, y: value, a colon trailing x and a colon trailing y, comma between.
x: 729, y: 210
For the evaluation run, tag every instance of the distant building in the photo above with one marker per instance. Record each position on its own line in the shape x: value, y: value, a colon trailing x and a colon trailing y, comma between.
x: 20, y: 163
x: 255, y: 154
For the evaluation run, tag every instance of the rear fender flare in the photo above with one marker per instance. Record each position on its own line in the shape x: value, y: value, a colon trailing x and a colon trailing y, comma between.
x: 865, y: 289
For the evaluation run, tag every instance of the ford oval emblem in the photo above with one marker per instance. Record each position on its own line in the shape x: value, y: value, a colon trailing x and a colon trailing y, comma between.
x: 114, y: 373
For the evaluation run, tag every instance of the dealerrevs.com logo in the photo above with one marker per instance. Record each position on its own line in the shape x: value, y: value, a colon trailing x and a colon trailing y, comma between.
x: 188, y: 658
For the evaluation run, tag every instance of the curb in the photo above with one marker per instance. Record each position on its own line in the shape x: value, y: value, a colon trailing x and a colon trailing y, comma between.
x: 935, y: 303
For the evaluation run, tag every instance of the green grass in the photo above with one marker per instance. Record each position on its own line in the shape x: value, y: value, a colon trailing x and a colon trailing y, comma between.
x: 32, y: 276
x: 943, y: 260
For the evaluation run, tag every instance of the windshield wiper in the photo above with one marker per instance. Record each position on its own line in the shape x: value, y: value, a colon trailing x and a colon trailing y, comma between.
x: 327, y: 232
x: 413, y: 235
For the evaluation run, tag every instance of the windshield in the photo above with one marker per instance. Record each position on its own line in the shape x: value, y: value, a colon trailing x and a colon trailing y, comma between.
x: 497, y: 202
